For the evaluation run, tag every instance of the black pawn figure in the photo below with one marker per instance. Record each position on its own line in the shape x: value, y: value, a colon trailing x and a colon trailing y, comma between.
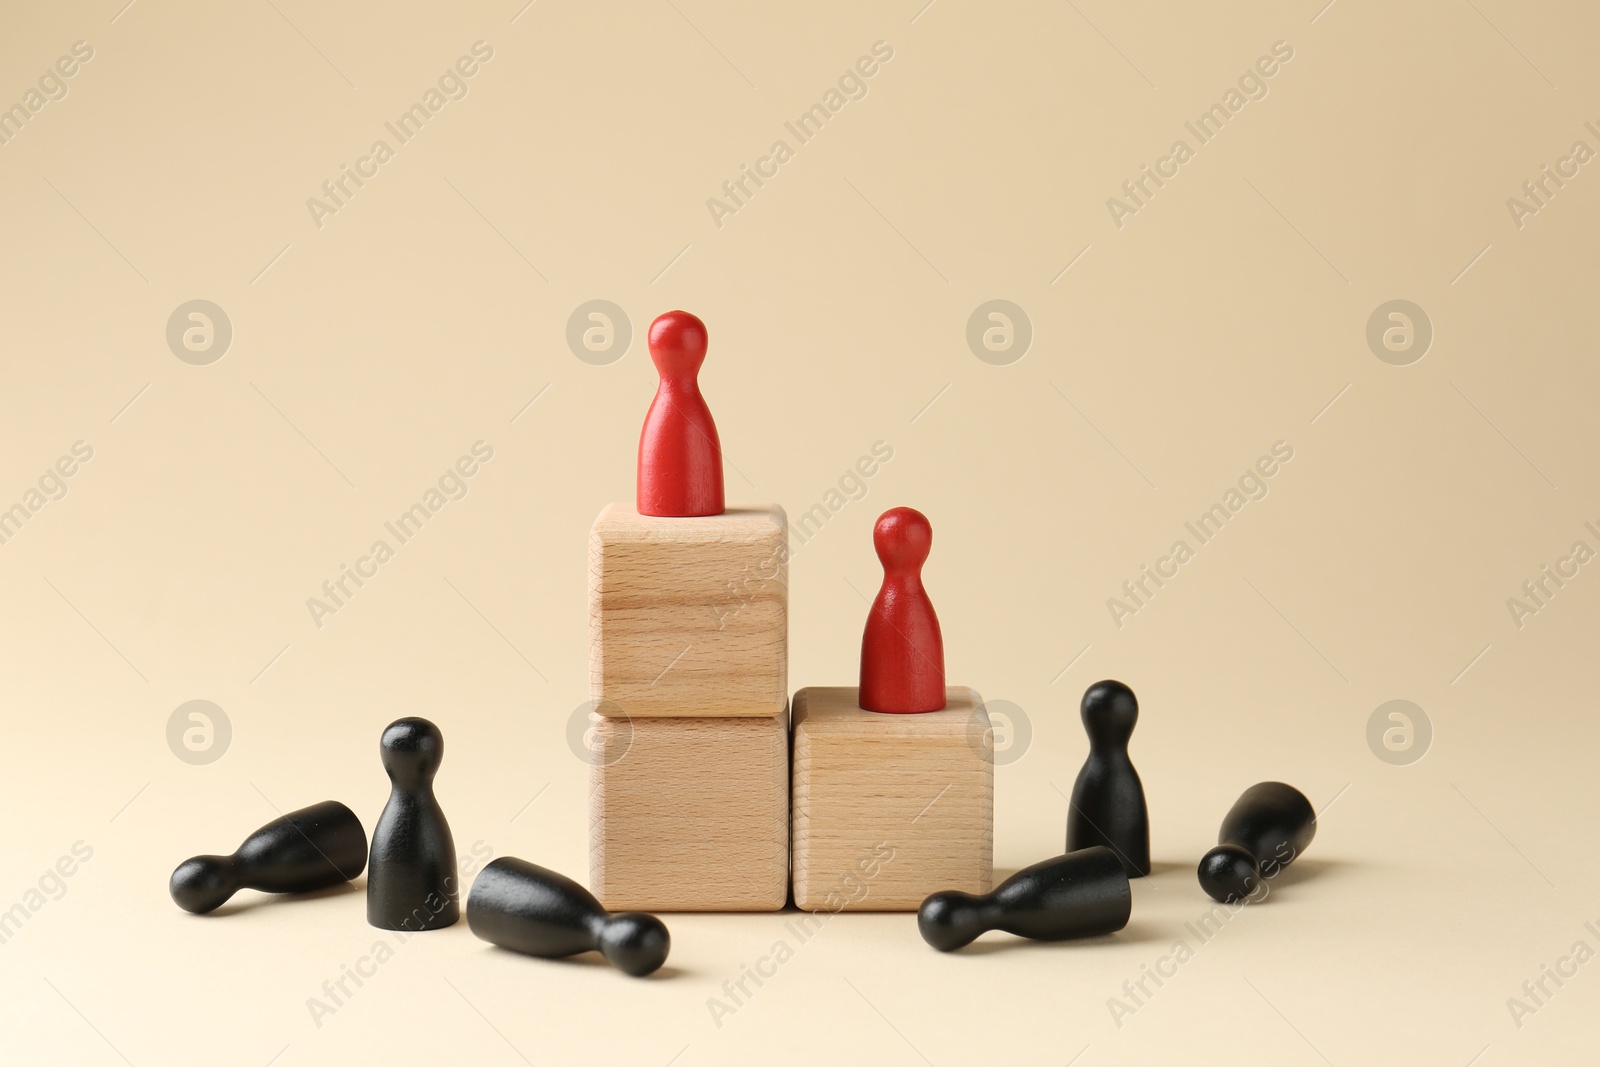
x: 1108, y: 805
x: 1081, y: 894
x: 524, y: 907
x: 312, y: 848
x: 1269, y: 825
x: 411, y: 880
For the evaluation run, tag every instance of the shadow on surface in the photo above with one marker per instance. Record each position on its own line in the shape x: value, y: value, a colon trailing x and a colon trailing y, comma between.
x: 996, y: 941
x: 250, y: 900
x: 585, y: 959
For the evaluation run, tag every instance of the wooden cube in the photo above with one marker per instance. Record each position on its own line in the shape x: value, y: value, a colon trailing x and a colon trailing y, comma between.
x: 689, y: 814
x: 890, y: 808
x: 689, y: 616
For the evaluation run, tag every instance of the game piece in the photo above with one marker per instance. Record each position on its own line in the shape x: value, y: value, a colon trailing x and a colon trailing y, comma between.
x: 889, y: 808
x: 524, y: 907
x: 689, y: 616
x: 1080, y: 894
x: 312, y: 848
x: 680, y: 458
x: 1108, y: 805
x: 689, y: 814
x: 411, y: 878
x: 902, y: 651
x: 1269, y: 825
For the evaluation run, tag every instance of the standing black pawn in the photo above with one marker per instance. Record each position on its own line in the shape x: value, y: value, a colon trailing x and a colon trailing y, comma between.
x: 312, y: 848
x: 521, y: 906
x: 411, y: 879
x: 1269, y: 825
x: 1108, y: 805
x: 1081, y: 894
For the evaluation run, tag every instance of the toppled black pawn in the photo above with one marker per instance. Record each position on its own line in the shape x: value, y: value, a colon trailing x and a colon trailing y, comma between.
x: 527, y: 908
x: 1081, y: 894
x: 312, y: 848
x: 1108, y: 805
x: 1269, y: 825
x: 411, y: 879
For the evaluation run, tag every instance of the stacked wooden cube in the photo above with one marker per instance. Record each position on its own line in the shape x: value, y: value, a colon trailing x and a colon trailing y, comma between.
x: 690, y: 795
x: 688, y: 671
x: 888, y: 809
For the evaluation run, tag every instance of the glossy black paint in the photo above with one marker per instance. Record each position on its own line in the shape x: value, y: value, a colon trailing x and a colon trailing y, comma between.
x: 1108, y: 806
x: 312, y: 848
x: 1265, y: 830
x: 411, y: 879
x: 522, y: 906
x: 1081, y: 894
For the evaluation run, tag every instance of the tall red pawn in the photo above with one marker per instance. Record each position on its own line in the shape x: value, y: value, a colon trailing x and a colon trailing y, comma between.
x: 902, y: 651
x: 680, y: 457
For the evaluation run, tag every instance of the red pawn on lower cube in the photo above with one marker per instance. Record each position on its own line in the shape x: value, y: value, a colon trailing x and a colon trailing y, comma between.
x: 902, y: 650
x: 680, y: 457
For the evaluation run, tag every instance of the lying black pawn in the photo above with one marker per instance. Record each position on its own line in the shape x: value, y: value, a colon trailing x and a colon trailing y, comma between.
x: 312, y: 848
x: 519, y: 905
x: 1269, y: 825
x: 1108, y: 805
x: 411, y: 883
x: 1080, y: 894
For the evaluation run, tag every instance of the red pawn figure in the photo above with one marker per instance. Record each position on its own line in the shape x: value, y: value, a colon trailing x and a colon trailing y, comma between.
x: 680, y: 458
x: 902, y: 651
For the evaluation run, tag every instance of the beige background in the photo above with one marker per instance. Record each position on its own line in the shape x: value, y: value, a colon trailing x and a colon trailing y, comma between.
x: 1229, y: 313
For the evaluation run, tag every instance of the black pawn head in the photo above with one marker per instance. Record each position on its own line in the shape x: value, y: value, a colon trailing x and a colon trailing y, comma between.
x: 1228, y: 873
x: 1110, y: 711
x: 635, y: 943
x: 203, y: 883
x: 411, y: 749
x: 951, y: 919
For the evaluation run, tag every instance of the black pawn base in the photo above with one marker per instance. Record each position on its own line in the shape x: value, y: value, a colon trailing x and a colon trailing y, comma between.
x: 305, y: 850
x: 527, y: 908
x: 411, y: 876
x: 1267, y: 827
x: 1108, y: 804
x: 1081, y: 894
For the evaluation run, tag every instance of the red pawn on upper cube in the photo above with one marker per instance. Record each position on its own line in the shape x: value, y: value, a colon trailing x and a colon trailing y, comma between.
x: 680, y: 457
x: 902, y: 651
